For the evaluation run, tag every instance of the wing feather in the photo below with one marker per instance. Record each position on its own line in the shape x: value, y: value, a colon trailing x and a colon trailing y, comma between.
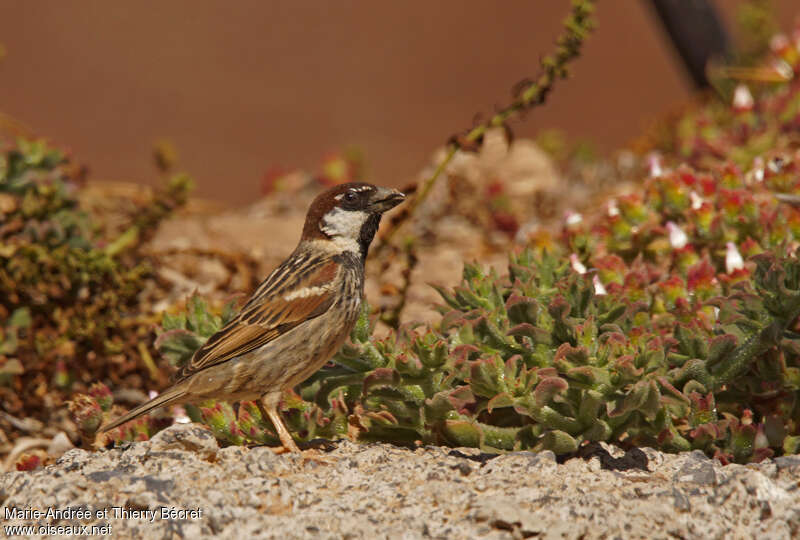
x: 287, y: 298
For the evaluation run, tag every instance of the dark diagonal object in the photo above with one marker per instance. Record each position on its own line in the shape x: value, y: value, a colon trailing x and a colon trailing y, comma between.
x: 697, y: 32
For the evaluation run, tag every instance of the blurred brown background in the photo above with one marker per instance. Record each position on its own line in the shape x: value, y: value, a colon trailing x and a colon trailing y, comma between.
x: 240, y: 87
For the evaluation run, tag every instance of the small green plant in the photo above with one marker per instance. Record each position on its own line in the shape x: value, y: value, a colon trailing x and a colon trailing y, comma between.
x: 68, y: 296
x: 540, y: 360
x: 91, y: 410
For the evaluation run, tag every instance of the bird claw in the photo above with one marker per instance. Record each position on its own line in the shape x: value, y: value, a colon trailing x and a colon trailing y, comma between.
x: 314, y: 455
x: 278, y: 450
x: 308, y: 455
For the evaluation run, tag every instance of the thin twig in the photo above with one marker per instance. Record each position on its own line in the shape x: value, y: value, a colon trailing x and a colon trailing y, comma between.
x: 528, y: 95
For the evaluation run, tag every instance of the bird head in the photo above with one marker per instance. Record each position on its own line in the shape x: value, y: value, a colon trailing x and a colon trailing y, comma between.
x: 349, y: 214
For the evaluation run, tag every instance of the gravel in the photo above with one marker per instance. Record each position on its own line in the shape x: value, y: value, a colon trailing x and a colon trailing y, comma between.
x: 181, y: 484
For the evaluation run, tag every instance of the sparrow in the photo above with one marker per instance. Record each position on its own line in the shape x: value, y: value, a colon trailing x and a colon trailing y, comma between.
x: 296, y: 319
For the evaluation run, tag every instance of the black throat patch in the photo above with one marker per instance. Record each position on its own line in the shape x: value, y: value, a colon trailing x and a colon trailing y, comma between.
x: 368, y: 230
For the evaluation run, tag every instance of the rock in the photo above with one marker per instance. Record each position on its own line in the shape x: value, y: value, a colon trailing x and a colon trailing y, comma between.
x: 73, y: 459
x: 59, y: 445
x: 698, y: 469
x: 181, y: 484
x: 681, y: 503
x: 521, y: 463
x: 191, y: 437
x: 788, y: 462
x: 506, y: 514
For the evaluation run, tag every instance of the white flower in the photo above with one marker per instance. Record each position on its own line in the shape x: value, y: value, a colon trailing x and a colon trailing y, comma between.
x: 758, y: 169
x: 742, y: 98
x: 572, y: 218
x: 733, y: 259
x: 654, y: 165
x: 697, y: 200
x: 677, y: 238
x: 598, y: 285
x: 180, y: 415
x: 776, y: 164
x: 576, y: 263
x: 782, y: 68
x: 613, y: 209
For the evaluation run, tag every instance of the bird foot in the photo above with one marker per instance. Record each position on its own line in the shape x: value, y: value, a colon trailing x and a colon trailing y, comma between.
x: 315, y: 456
x: 309, y: 455
x: 278, y: 450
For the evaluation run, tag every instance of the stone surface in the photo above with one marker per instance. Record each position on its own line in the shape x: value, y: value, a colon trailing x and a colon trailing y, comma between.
x: 190, y: 437
x: 59, y: 445
x: 382, y: 491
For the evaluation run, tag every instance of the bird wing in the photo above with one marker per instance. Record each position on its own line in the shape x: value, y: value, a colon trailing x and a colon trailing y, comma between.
x: 293, y: 293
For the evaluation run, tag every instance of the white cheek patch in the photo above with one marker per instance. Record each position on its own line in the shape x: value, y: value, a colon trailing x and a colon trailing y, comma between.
x: 343, y: 223
x: 344, y: 228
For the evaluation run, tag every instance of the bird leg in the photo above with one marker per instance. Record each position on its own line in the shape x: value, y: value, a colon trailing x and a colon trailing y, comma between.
x: 269, y: 408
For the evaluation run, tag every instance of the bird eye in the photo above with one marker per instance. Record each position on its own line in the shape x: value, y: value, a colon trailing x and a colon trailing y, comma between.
x: 350, y: 196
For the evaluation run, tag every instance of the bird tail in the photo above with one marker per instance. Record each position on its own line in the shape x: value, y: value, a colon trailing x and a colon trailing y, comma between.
x: 169, y: 396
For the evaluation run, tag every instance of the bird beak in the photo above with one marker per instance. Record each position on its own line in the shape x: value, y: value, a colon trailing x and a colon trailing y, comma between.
x: 385, y: 199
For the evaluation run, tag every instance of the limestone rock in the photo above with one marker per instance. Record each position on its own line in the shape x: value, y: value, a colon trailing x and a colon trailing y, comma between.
x: 180, y: 484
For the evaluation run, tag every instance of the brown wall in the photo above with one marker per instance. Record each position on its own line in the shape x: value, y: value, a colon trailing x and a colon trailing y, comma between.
x: 243, y: 86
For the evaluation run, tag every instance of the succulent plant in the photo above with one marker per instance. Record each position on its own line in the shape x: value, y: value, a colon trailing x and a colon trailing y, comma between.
x: 69, y: 297
x: 91, y: 410
x: 28, y: 462
x: 539, y: 360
